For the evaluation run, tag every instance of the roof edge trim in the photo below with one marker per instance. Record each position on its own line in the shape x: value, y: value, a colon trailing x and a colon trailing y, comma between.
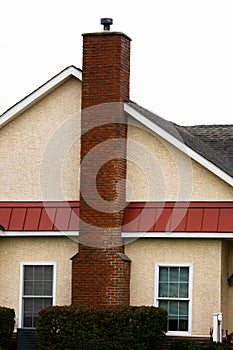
x: 182, y: 235
x: 6, y: 234
x: 125, y: 235
x: 178, y: 144
x: 39, y: 93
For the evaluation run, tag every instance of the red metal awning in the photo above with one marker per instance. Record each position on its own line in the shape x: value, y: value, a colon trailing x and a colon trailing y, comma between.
x: 138, y: 216
x: 39, y: 216
x: 179, y: 217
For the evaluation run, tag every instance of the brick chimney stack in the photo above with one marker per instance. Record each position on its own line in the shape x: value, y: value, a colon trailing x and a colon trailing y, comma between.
x: 101, y: 270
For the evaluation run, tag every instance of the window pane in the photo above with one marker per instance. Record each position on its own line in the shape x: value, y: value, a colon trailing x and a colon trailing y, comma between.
x: 38, y: 273
x: 48, y: 273
x: 184, y: 274
x: 163, y: 290
x: 183, y: 316
x: 183, y: 290
x: 38, y: 288
x: 183, y: 325
x: 38, y: 282
x: 173, y: 309
x: 172, y: 324
x: 183, y: 309
x: 32, y: 307
x: 174, y: 285
x: 28, y: 312
x: 163, y: 304
x: 27, y: 321
x: 28, y: 305
x: 28, y: 288
x: 163, y: 274
x: 38, y: 304
x: 48, y: 302
x: 38, y: 285
x: 48, y: 288
x: 173, y: 290
x: 174, y: 274
x: 178, y: 316
x: 28, y: 272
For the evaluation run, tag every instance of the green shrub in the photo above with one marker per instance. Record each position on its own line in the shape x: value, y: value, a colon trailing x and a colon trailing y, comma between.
x: 191, y: 345
x: 7, y: 323
x: 101, y: 328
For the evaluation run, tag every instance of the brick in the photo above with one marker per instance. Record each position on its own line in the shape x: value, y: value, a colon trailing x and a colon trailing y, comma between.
x: 99, y: 275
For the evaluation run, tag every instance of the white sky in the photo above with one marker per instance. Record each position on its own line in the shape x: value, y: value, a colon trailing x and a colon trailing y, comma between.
x: 181, y: 57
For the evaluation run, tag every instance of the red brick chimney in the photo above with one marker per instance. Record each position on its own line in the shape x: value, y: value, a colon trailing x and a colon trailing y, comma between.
x: 101, y: 270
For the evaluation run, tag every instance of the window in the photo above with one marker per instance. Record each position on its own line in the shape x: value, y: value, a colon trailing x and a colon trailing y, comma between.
x: 37, y: 290
x: 173, y: 293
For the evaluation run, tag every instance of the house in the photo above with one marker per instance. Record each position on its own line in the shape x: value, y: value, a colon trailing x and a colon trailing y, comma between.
x: 146, y: 219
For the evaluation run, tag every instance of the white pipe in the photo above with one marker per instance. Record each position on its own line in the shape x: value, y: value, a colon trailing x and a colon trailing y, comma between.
x: 217, y: 327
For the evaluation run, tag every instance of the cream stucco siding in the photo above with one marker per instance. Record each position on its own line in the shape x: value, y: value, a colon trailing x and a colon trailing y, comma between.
x: 14, y: 251
x: 227, y: 295
x: 40, y: 156
x: 39, y: 149
x: 205, y: 257
x: 158, y: 171
x: 211, y: 261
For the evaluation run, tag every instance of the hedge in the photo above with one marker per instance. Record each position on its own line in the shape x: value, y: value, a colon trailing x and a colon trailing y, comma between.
x: 192, y: 345
x: 101, y: 328
x: 7, y: 323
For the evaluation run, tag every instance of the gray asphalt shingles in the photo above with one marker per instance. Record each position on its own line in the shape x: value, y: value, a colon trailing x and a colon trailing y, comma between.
x: 213, y: 142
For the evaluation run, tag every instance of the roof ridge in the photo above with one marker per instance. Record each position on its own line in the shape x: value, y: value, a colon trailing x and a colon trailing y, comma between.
x: 208, y: 126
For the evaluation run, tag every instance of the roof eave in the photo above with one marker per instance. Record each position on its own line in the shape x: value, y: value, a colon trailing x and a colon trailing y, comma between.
x: 36, y: 95
x: 178, y: 144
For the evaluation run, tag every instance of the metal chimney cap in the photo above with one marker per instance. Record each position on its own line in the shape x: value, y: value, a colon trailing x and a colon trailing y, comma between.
x: 106, y: 22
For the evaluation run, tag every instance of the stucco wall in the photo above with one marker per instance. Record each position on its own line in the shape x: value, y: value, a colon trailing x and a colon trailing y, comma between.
x: 37, y: 142
x: 159, y: 171
x: 17, y: 250
x: 227, y: 297
x: 224, y: 284
x: 205, y: 255
x: 39, y: 153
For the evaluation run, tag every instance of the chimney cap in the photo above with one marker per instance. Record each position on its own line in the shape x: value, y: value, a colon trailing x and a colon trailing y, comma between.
x: 106, y: 22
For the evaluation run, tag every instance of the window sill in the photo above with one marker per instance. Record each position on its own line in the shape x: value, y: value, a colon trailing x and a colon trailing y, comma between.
x: 178, y: 334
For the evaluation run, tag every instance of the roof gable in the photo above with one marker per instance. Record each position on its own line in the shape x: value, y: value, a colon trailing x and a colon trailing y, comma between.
x: 39, y: 93
x: 209, y: 145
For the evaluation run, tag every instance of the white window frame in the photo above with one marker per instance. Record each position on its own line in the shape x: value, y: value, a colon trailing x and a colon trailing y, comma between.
x: 156, y: 297
x: 22, y: 264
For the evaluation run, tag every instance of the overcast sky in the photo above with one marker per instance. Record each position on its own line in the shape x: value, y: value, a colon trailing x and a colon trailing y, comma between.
x: 181, y: 56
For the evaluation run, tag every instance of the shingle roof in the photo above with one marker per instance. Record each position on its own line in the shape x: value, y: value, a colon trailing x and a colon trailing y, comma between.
x: 213, y: 142
x: 219, y: 138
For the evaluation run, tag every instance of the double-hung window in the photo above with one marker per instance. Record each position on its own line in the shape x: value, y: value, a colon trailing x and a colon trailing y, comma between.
x: 173, y: 293
x: 37, y: 291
